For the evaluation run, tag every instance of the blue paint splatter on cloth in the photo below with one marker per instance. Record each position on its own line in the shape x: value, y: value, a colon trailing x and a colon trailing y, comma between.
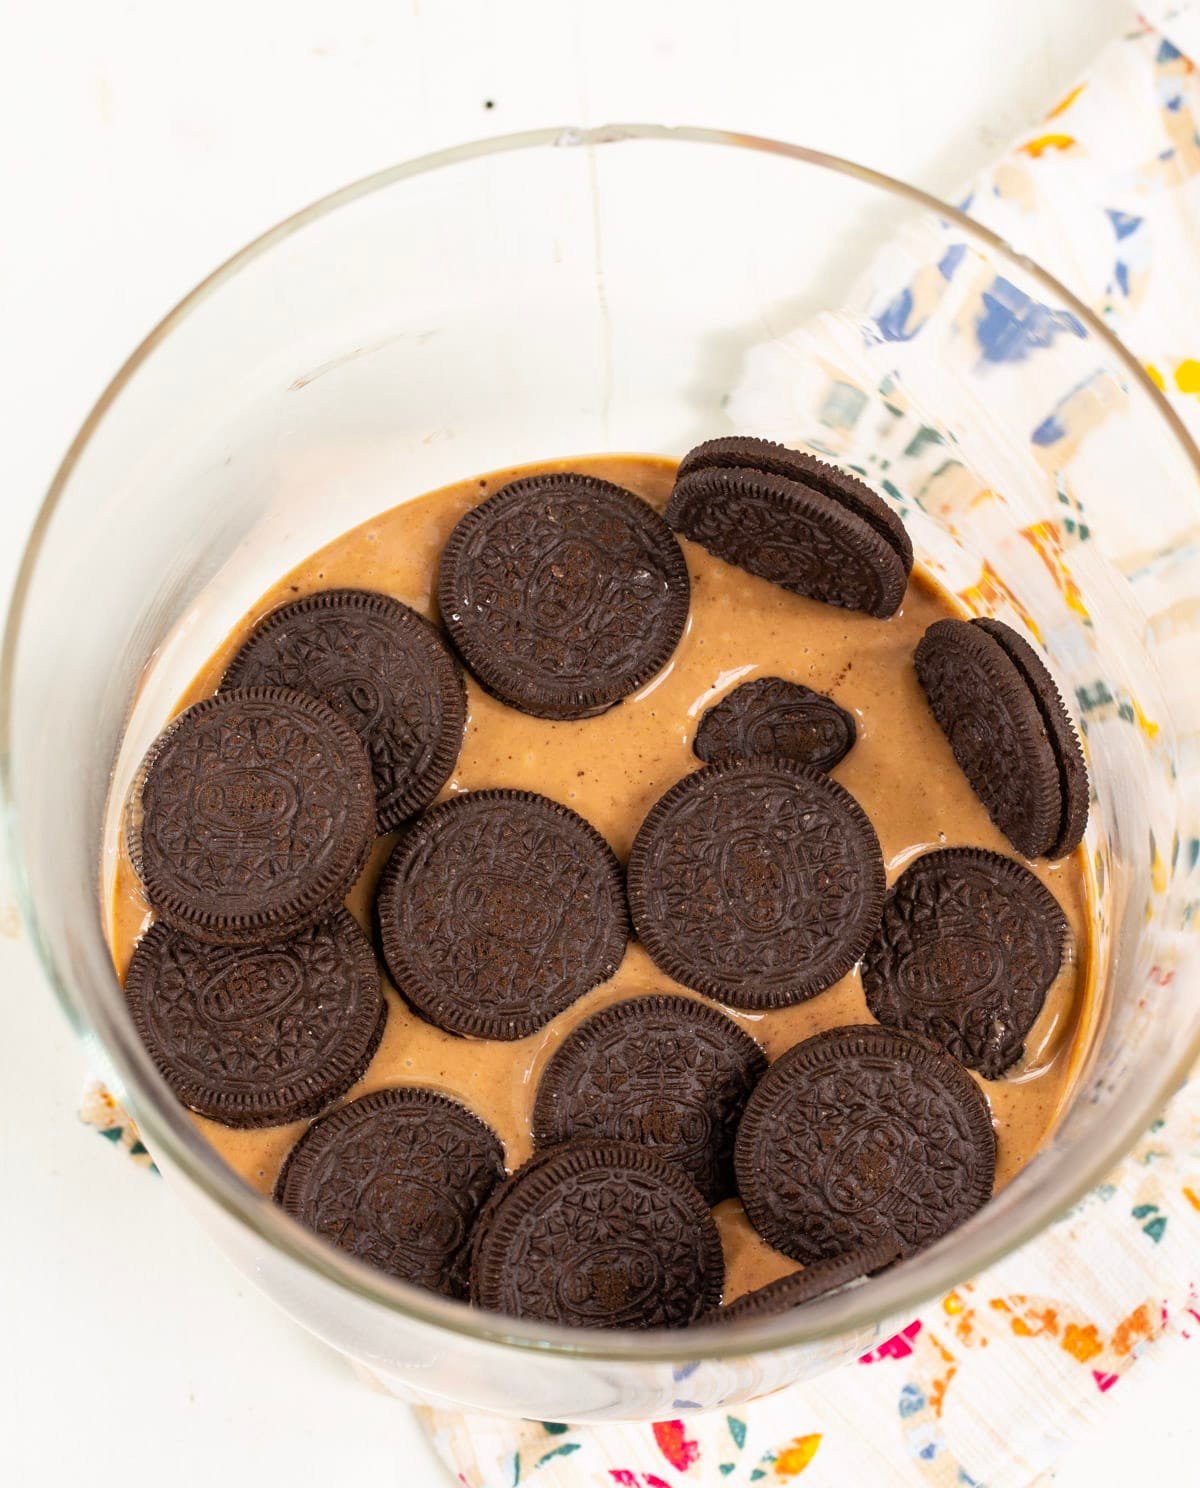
x: 893, y: 320
x: 1049, y: 431
x: 1013, y: 324
x: 1123, y: 223
x: 951, y: 259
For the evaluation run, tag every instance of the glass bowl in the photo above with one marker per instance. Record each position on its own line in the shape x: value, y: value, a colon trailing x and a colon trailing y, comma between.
x: 631, y: 288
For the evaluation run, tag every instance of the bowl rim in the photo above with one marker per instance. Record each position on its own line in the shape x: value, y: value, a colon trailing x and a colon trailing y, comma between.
x: 170, y: 1132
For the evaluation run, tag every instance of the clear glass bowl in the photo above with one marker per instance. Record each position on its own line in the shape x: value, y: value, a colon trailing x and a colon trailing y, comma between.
x: 623, y: 289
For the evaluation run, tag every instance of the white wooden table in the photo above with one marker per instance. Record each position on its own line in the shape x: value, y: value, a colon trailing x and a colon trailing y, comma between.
x: 145, y: 140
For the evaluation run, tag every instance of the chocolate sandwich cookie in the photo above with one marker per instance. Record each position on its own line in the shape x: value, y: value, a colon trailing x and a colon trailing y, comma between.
x: 805, y: 537
x: 667, y: 1072
x: 994, y: 726
x: 260, y: 1035
x: 965, y: 953
x: 397, y: 1178
x: 778, y: 719
x: 598, y: 1235
x: 255, y: 815
x: 816, y: 1280
x: 497, y: 910
x: 381, y: 667
x: 1072, y: 771
x: 862, y: 1135
x: 563, y: 594
x: 758, y: 882
x: 744, y: 452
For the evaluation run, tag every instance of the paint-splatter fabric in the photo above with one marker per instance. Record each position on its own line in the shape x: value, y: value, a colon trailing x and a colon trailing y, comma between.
x: 100, y: 1110
x: 991, y: 1384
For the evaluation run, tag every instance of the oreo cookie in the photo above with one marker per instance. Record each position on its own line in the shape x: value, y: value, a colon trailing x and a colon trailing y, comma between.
x: 965, y: 953
x: 744, y: 452
x: 812, y: 532
x: 863, y: 1135
x: 1072, y: 771
x: 777, y: 719
x: 381, y: 667
x: 759, y: 883
x: 254, y: 817
x: 263, y: 1035
x: 816, y: 1280
x: 598, y: 1235
x: 667, y: 1072
x: 994, y: 725
x: 497, y: 910
x: 397, y: 1178
x: 563, y: 594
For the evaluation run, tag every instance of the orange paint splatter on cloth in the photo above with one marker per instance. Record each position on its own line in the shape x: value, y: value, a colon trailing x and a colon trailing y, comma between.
x: 1135, y: 1329
x: 937, y: 1390
x: 1064, y: 104
x: 989, y: 593
x: 964, y: 1329
x: 794, y: 1459
x: 1046, y: 541
x: 1046, y: 1320
x: 1082, y: 1343
x: 1031, y: 1322
x: 1035, y: 148
x: 935, y: 1343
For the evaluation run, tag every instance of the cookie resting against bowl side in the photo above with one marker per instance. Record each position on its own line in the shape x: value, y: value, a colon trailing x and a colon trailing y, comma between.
x: 1060, y: 730
x: 759, y: 883
x: 746, y: 452
x: 258, y: 1035
x: 816, y: 537
x: 967, y: 949
x: 995, y: 728
x: 563, y: 594
x: 497, y: 910
x: 598, y: 1235
x: 384, y: 669
x: 255, y: 815
x: 397, y: 1179
x: 859, y: 1135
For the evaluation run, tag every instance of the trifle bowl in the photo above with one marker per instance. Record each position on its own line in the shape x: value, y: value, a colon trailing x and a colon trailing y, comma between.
x: 625, y: 289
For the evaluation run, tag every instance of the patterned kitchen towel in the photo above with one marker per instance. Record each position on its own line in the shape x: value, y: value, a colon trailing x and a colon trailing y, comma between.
x: 101, y: 1110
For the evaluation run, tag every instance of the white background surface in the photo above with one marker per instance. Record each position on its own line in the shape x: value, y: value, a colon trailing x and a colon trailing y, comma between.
x: 144, y: 141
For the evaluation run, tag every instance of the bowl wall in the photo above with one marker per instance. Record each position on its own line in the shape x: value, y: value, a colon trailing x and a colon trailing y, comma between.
x: 629, y: 289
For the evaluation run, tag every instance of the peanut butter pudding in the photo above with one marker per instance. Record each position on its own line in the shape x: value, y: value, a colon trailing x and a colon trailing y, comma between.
x: 566, y: 891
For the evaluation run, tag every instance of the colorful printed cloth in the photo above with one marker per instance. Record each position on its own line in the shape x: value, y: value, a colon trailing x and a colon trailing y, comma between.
x: 100, y: 1110
x: 995, y: 1381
